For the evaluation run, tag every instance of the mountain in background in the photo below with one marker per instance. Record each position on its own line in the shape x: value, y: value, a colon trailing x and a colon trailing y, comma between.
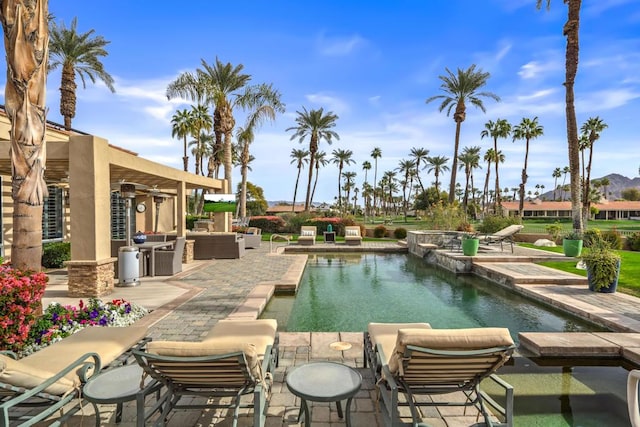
x: 617, y: 183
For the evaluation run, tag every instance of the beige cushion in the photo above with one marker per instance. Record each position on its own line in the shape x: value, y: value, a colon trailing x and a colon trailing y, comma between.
x: 20, y: 374
x: 260, y: 332
x: 386, y: 334
x: 306, y: 233
x: 448, y: 339
x: 207, y: 348
x: 352, y: 232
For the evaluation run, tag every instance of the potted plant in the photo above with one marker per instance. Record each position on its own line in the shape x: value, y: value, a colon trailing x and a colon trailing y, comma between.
x: 603, y: 267
x: 572, y: 243
x: 470, y: 244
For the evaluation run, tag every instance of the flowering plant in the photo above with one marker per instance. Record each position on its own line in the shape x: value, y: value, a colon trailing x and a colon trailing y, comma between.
x: 20, y: 302
x: 60, y: 321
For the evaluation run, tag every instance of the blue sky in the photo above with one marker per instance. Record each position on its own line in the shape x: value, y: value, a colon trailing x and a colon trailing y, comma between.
x: 373, y: 64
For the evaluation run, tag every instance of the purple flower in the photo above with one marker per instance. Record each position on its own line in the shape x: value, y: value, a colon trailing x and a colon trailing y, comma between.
x: 104, y: 321
x: 94, y: 314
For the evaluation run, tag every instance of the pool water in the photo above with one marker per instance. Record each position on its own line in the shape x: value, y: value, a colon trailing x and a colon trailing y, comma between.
x: 344, y: 292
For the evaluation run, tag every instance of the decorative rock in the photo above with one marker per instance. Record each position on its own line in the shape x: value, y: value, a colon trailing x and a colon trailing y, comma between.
x: 544, y: 242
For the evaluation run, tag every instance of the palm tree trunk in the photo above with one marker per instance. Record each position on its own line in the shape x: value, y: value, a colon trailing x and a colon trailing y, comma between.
x: 26, y: 41
x: 498, y: 201
x: 295, y: 190
x: 571, y: 29
x: 315, y: 182
x: 454, y: 166
x: 243, y: 171
x: 485, y: 194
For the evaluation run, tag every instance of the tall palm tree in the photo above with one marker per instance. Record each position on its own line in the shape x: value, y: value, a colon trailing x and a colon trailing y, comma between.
x: 341, y: 158
x: 571, y: 32
x: 349, y: 183
x: 501, y: 128
x: 565, y: 171
x: 78, y: 54
x: 469, y: 159
x: 557, y: 173
x: 200, y: 121
x: 366, y: 167
x: 591, y: 130
x: 262, y: 102
x: 26, y: 35
x: 460, y: 89
x: 181, y: 128
x: 299, y: 157
x: 437, y: 165
x: 527, y: 129
x: 316, y: 125
x: 376, y: 153
x: 321, y: 161
x: 419, y: 155
x: 406, y: 167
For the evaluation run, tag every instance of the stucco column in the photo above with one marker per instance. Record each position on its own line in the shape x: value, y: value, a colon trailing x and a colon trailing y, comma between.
x: 91, y: 269
x: 181, y: 209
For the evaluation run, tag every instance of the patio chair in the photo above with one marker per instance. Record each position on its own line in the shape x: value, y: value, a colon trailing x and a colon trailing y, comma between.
x: 352, y: 235
x: 237, y: 358
x: 252, y: 237
x: 38, y: 386
x: 504, y: 235
x: 446, y: 362
x: 307, y: 235
x: 384, y: 334
x: 169, y: 262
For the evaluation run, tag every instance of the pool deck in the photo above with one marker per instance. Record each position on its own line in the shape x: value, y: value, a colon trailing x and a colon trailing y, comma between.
x: 187, y: 305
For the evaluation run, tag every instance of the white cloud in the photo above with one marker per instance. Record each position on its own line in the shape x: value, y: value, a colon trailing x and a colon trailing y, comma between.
x: 339, y: 46
x: 536, y: 95
x: 328, y: 102
x: 605, y: 99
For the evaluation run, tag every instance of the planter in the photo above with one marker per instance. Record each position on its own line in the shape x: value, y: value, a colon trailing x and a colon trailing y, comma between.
x: 470, y: 247
x: 572, y: 248
x: 613, y: 286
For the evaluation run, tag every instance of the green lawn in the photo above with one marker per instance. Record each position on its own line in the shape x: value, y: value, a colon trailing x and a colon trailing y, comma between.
x: 629, y: 281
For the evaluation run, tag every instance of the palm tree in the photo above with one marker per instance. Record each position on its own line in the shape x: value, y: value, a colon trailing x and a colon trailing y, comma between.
x: 78, y: 54
x: 299, y: 157
x: 605, y: 184
x: 419, y: 155
x: 565, y: 171
x: 591, y: 130
x: 321, y: 161
x: 25, y: 97
x: 557, y: 173
x: 437, y: 165
x: 316, y: 125
x: 571, y: 32
x: 341, y: 158
x: 469, y: 159
x: 527, y: 129
x: 406, y: 167
x: 200, y: 120
x: 458, y: 90
x: 376, y: 153
x: 349, y: 182
x: 489, y: 157
x: 500, y: 129
x: 181, y: 128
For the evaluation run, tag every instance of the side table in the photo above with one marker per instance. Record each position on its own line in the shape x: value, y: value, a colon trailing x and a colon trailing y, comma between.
x: 120, y: 385
x: 324, y: 382
x: 329, y: 236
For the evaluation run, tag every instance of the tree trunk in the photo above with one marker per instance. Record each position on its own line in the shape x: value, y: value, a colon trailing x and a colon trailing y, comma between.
x: 313, y: 148
x: 454, y: 166
x: 497, y: 197
x: 26, y: 41
x: 243, y: 191
x: 68, y: 94
x: 295, y: 190
x: 571, y: 30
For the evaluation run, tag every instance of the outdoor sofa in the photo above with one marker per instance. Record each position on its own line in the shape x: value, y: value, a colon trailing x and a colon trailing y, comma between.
x: 217, y: 245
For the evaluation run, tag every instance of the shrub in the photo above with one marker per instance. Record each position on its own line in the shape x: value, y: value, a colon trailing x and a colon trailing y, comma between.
x: 20, y: 301
x: 613, y: 239
x: 380, y: 231
x: 268, y: 224
x: 294, y: 222
x: 55, y: 254
x: 338, y: 224
x: 573, y: 235
x: 554, y: 231
x: 493, y: 223
x: 592, y: 237
x: 634, y: 241
x: 400, y: 233
x: 465, y: 226
x: 444, y: 217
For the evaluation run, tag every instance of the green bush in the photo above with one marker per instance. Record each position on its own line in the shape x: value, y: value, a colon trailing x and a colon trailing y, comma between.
x: 613, y: 239
x: 268, y: 224
x: 592, y: 237
x: 380, y: 231
x: 400, y: 233
x: 492, y: 223
x: 554, y: 231
x: 55, y: 254
x: 634, y: 241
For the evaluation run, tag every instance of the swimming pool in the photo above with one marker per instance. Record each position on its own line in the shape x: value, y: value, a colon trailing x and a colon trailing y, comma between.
x: 343, y: 292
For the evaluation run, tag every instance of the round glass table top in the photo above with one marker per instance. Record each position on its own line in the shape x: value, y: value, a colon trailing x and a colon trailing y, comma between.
x: 324, y: 381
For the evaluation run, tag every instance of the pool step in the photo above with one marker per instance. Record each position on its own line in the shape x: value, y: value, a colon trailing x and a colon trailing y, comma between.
x: 522, y: 273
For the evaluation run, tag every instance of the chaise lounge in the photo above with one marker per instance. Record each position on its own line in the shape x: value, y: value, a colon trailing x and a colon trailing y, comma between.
x: 307, y: 235
x: 504, y: 235
x: 352, y: 235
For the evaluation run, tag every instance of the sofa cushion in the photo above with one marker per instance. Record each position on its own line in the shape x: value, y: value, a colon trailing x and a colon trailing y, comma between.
x: 20, y: 374
x: 386, y: 334
x: 306, y: 233
x: 259, y: 332
x: 352, y: 233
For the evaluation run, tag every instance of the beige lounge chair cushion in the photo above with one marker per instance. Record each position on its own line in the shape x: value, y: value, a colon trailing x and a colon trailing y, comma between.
x: 20, y: 374
x: 259, y: 332
x: 207, y: 348
x: 448, y: 339
x: 386, y: 335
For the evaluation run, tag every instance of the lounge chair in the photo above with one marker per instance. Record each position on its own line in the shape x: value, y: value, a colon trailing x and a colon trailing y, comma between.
x: 442, y: 362
x: 252, y: 237
x: 504, y: 235
x: 307, y: 235
x: 236, y: 358
x: 169, y: 262
x: 38, y: 386
x: 352, y: 235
